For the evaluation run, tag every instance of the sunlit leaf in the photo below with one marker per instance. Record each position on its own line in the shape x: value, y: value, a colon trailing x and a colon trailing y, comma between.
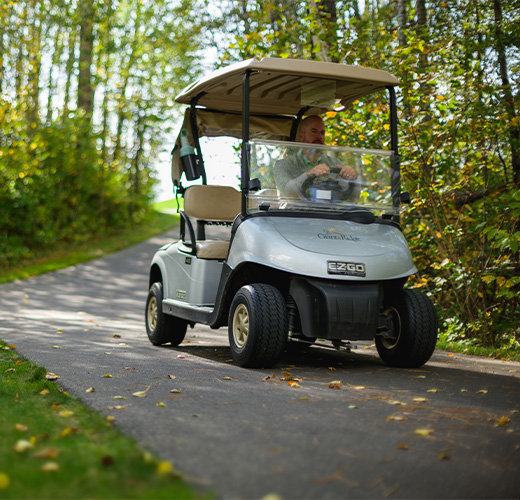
x: 65, y: 413
x: 117, y: 407
x: 424, y: 432
x: 50, y: 467
x: 21, y: 427
x: 141, y: 394
x: 336, y: 384
x: 164, y: 467
x: 107, y: 375
x: 293, y: 383
x: 160, y: 404
x: 396, y: 418
x: 5, y: 481
x: 22, y: 445
x: 51, y: 376
x: 90, y: 389
x: 47, y: 453
x: 503, y: 421
x: 420, y: 400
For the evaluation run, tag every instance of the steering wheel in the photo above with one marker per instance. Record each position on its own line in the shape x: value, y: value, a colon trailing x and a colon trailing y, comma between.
x: 333, y: 185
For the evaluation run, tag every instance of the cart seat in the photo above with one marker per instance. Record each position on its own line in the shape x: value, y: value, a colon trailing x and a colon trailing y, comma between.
x: 208, y: 205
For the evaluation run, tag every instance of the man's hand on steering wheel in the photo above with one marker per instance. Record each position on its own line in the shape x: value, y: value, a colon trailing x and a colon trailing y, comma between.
x: 347, y: 172
x: 319, y: 170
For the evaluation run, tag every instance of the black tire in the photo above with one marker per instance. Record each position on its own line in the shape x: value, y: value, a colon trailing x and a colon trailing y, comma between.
x: 414, y: 324
x: 162, y: 328
x: 258, y: 326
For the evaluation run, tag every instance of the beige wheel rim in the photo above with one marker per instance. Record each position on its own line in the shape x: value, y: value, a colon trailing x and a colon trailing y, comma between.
x: 390, y: 343
x: 152, y: 314
x: 241, y: 325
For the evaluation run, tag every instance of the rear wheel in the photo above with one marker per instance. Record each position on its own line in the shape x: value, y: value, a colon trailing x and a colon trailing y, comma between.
x: 257, y: 326
x: 162, y: 328
x: 413, y: 330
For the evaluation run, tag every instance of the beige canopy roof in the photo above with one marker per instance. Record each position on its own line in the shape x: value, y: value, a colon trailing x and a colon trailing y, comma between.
x: 284, y: 86
x: 280, y: 87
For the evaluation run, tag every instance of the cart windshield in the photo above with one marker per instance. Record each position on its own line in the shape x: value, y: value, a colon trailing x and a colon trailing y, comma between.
x: 281, y: 169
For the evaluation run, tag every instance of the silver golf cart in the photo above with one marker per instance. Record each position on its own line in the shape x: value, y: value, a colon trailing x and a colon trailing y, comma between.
x: 326, y: 261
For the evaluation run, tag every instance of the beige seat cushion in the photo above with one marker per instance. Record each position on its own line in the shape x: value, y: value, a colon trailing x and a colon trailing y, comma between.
x: 212, y: 249
x: 212, y: 203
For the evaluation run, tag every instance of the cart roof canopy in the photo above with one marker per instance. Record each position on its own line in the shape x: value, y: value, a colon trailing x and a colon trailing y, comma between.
x: 285, y: 86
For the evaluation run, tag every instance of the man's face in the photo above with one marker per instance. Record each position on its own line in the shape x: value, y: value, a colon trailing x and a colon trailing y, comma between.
x: 313, y: 131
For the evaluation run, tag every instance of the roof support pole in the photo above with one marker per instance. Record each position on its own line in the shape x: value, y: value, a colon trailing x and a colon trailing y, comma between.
x: 396, y: 161
x: 245, y: 140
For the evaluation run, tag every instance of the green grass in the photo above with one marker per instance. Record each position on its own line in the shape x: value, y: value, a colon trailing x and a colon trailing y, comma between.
x: 72, y: 452
x: 510, y: 353
x: 163, y: 218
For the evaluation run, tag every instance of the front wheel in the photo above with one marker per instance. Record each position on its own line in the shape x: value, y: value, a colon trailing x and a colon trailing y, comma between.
x: 257, y: 326
x: 162, y: 328
x: 413, y: 330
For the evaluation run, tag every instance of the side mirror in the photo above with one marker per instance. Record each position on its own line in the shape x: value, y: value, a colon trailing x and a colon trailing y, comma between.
x: 254, y: 185
x: 405, y: 197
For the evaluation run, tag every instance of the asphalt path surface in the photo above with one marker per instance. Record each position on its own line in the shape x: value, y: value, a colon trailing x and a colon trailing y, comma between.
x: 448, y: 430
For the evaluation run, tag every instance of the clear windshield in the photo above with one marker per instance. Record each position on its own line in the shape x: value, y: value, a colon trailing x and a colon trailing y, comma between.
x: 353, y: 178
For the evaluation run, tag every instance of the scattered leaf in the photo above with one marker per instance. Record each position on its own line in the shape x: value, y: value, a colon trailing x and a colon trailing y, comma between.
x: 420, y: 400
x: 65, y: 413
x: 22, y: 445
x: 90, y: 389
x: 117, y: 407
x: 44, y: 392
x: 336, y: 384
x: 482, y: 391
x: 402, y: 446
x: 503, y: 422
x: 293, y: 383
x: 164, y: 467
x: 118, y: 397
x: 173, y: 377
x: 304, y: 398
x: 396, y: 403
x: 68, y: 431
x: 47, y: 453
x: 160, y: 404
x: 21, y: 427
x: 332, y: 368
x: 424, y: 432
x: 110, y: 418
x: 396, y: 418
x: 116, y: 336
x: 141, y: 394
x: 56, y: 347
x: 227, y: 378
x: 286, y: 376
x: 444, y: 456
x: 181, y: 356
x: 50, y: 467
x: 107, y: 375
x: 357, y: 387
x: 432, y: 390
x: 352, y: 407
x: 51, y: 376
x: 5, y: 481
x: 463, y: 390
x: 175, y: 391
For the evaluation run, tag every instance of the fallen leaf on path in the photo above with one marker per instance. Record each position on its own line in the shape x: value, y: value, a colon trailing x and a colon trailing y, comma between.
x: 141, y: 394
x: 503, y: 422
x: 424, y: 432
x: 444, y: 456
x: 110, y: 418
x: 402, y: 446
x: 90, y: 389
x: 420, y: 400
x: 396, y: 418
x: 336, y: 384
x: 181, y: 356
x: 51, y: 376
x: 227, y: 378
x: 160, y: 403
x: 56, y: 347
x: 107, y: 375
x: 175, y: 391
x: 286, y: 376
x: 173, y: 377
x: 357, y: 387
x: 293, y: 383
x: 117, y: 407
x: 482, y: 391
x: 118, y: 397
x: 432, y: 390
x: 396, y: 403
x: 331, y: 368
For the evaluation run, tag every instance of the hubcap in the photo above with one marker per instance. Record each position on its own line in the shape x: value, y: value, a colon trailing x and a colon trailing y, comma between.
x: 240, y: 325
x: 152, y: 314
x: 391, y: 340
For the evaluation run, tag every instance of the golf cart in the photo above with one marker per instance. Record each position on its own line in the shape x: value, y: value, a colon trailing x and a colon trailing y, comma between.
x: 327, y: 262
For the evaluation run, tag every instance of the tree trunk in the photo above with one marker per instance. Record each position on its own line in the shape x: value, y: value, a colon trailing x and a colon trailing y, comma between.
x: 86, y: 51
x: 509, y: 100
x: 401, y: 19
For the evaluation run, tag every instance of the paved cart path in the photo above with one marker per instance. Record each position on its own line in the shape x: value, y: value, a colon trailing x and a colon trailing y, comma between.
x: 448, y: 430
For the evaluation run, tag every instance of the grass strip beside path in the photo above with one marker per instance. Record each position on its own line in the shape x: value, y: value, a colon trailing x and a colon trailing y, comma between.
x: 163, y: 218
x: 53, y: 446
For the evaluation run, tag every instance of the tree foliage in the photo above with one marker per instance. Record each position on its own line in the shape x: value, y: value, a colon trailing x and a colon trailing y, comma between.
x: 458, y: 63
x: 86, y: 94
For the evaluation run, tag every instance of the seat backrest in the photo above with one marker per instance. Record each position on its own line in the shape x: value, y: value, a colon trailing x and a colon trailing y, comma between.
x: 212, y: 203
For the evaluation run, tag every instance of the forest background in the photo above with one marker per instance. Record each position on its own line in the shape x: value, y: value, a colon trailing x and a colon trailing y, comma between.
x: 87, y: 93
